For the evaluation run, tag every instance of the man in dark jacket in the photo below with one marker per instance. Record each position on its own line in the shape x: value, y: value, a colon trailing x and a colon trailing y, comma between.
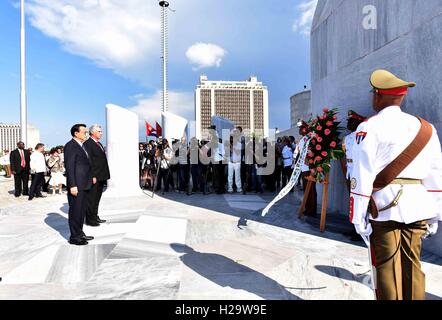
x: 100, y: 174
x: 79, y: 182
x: 20, y: 160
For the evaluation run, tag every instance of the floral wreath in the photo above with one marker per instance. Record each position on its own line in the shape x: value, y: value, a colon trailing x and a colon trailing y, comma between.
x: 326, y: 144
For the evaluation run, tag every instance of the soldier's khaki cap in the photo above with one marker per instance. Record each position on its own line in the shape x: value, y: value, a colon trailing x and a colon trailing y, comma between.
x: 385, y: 80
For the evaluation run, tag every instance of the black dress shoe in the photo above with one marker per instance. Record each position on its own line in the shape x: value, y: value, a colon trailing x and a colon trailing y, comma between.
x: 101, y: 220
x: 25, y: 193
x: 87, y: 238
x: 30, y: 198
x: 17, y: 195
x: 92, y: 224
x: 78, y: 242
x: 40, y: 196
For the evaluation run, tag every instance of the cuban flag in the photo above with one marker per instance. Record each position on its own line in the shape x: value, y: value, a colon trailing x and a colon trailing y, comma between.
x: 150, y: 131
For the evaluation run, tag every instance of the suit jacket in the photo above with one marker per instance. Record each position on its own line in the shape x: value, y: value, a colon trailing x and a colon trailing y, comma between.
x: 15, y: 160
x: 100, y: 167
x: 78, y: 166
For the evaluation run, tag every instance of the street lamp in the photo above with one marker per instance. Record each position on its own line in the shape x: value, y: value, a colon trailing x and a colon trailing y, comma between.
x: 164, y: 37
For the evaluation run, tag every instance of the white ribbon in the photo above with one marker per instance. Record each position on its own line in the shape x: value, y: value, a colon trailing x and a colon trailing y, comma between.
x: 293, y: 179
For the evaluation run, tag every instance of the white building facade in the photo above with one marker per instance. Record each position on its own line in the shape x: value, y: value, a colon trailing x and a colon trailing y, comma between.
x: 10, y: 134
x: 245, y: 103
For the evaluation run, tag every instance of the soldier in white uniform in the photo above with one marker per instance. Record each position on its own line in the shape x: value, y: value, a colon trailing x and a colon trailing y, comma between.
x: 353, y: 121
x: 405, y: 209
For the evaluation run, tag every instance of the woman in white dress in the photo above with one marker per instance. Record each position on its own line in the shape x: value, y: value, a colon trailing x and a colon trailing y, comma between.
x: 56, y: 167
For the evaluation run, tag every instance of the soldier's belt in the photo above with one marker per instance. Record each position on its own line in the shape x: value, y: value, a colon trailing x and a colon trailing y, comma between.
x: 401, y: 182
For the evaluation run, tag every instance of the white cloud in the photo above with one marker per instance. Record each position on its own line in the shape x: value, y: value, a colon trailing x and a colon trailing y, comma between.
x: 205, y: 55
x: 149, y: 107
x: 115, y: 34
x: 306, y: 13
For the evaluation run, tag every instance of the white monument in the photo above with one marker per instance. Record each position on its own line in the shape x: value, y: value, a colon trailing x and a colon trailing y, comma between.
x: 122, y: 128
x: 174, y: 126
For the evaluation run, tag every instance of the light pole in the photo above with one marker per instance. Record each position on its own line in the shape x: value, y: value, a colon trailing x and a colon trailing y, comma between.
x: 164, y: 34
x: 23, y: 115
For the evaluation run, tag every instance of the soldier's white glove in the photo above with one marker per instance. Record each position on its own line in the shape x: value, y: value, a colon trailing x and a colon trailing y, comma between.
x: 432, y: 227
x: 364, y: 229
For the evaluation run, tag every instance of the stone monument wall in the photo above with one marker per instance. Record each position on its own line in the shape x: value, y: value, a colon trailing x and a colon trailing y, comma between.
x: 407, y: 40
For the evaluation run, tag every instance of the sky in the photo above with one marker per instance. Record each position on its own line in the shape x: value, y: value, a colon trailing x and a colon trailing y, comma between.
x: 84, y: 54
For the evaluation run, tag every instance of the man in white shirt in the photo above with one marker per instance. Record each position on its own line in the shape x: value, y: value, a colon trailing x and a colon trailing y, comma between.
x: 218, y: 154
x: 409, y: 207
x: 38, y: 169
x: 234, y: 166
x: 312, y: 200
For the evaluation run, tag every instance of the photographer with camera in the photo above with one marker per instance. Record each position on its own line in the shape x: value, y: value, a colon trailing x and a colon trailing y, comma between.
x: 164, y: 155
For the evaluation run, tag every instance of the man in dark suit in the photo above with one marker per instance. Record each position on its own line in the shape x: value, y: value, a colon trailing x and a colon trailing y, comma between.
x: 20, y: 160
x: 79, y: 182
x: 100, y: 174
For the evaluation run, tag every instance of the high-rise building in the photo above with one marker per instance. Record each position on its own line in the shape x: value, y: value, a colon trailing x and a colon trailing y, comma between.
x: 245, y: 103
x: 10, y: 134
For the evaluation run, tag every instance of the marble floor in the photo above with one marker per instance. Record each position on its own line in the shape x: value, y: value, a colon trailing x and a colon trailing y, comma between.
x: 181, y: 247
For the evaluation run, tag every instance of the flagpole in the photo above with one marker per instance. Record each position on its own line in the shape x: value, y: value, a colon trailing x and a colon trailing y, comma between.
x: 23, y: 112
x: 164, y: 34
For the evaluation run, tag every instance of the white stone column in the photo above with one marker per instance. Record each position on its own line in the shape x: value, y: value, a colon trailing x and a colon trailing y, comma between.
x: 122, y: 129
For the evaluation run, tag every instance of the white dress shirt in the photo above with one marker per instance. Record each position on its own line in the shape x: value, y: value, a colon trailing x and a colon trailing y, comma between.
x: 301, y: 144
x: 287, y: 156
x: 236, y: 152
x: 386, y: 136
x: 219, y: 152
x: 38, y: 162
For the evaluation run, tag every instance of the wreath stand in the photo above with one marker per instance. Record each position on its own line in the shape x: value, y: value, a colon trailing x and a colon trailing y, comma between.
x: 308, y: 189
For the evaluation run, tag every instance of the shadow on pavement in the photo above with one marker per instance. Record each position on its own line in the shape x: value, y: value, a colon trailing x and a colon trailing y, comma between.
x: 59, y: 223
x: 227, y: 273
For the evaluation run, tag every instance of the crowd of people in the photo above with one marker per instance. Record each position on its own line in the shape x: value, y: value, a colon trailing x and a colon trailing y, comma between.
x: 190, y: 167
x: 45, y: 169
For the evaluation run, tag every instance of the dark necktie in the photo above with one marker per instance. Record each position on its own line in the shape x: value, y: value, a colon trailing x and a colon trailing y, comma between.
x: 84, y: 148
x: 100, y: 145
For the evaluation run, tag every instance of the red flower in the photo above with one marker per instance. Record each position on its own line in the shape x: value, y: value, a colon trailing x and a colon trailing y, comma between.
x: 318, y: 158
x: 319, y: 169
x: 313, y: 141
x: 325, y: 110
x: 333, y: 144
x: 304, y: 131
x: 324, y: 153
x: 335, y: 117
x: 319, y: 128
x: 312, y: 171
x: 319, y: 139
x: 310, y: 154
x: 329, y: 123
x: 318, y: 147
x: 322, y: 117
x: 310, y: 161
x: 327, y: 132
